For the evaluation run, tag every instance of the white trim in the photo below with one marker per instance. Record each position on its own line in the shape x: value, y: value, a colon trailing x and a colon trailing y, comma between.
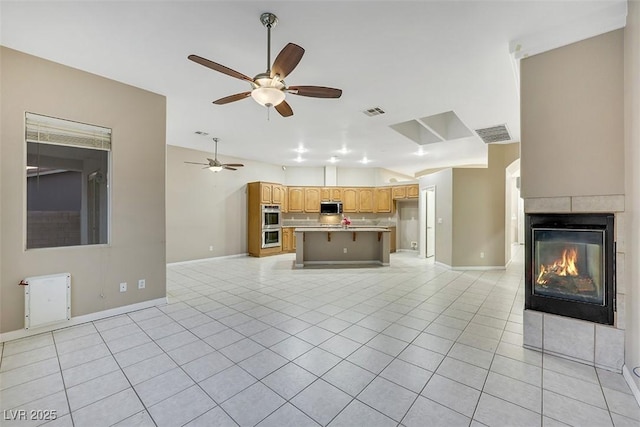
x: 22, y: 333
x: 193, y: 261
x: 632, y: 384
x: 442, y: 264
x: 330, y: 263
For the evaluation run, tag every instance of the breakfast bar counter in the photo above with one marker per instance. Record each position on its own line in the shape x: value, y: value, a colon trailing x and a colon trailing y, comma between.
x: 339, y: 245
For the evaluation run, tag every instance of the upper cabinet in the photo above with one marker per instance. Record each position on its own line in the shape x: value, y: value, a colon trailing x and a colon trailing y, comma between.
x: 312, y: 199
x: 336, y: 194
x: 383, y: 200
x: 325, y: 194
x: 365, y: 200
x: 272, y: 194
x: 278, y: 194
x: 399, y: 192
x: 266, y: 191
x: 405, y: 191
x: 349, y: 200
x: 296, y: 199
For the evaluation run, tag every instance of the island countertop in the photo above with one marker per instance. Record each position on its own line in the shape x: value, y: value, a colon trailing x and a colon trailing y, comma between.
x: 342, y: 245
x: 332, y: 229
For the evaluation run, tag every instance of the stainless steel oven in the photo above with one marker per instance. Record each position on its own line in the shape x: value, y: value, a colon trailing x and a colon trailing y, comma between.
x: 271, y: 217
x: 271, y: 238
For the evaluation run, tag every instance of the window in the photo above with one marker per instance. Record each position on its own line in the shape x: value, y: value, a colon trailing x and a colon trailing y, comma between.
x: 67, y: 182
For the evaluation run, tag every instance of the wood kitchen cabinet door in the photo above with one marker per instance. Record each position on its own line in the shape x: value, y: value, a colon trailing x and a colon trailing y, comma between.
x: 399, y: 192
x: 312, y: 199
x: 277, y: 194
x: 286, y: 239
x: 366, y: 200
x: 266, y: 191
x: 296, y: 199
x: 349, y: 200
x: 413, y: 191
x: 325, y: 194
x: 383, y: 200
x: 336, y: 194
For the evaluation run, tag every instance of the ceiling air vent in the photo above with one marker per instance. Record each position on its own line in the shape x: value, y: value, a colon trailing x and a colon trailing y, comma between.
x: 375, y: 111
x: 494, y: 134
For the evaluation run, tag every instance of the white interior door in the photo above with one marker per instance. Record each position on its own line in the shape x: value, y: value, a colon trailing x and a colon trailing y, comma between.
x: 431, y: 222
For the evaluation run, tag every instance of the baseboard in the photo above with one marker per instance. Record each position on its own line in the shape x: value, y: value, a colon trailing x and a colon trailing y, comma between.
x: 441, y: 264
x: 193, y: 261
x: 628, y: 376
x: 479, y: 268
x: 23, y: 333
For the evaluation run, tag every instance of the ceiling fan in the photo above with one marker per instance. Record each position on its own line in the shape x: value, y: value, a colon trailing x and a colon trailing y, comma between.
x: 269, y: 88
x: 215, y: 165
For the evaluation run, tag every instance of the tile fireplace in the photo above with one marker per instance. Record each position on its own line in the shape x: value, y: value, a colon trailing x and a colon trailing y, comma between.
x: 570, y: 265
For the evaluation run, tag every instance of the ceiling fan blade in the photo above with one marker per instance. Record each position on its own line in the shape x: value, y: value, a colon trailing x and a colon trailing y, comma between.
x: 227, y: 167
x: 198, y: 163
x: 236, y: 165
x: 284, y: 109
x: 220, y: 68
x: 232, y: 98
x: 287, y: 60
x: 315, y: 91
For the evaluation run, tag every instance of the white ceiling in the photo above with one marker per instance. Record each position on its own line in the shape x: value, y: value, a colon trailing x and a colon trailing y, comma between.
x: 413, y: 59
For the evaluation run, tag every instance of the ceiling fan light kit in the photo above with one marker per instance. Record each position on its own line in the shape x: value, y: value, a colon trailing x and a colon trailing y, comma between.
x: 214, y: 165
x: 269, y: 89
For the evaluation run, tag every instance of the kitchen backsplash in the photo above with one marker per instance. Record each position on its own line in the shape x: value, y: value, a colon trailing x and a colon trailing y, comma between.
x: 302, y: 219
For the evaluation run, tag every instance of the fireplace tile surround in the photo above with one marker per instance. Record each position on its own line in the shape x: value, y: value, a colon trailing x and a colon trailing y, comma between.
x: 591, y: 343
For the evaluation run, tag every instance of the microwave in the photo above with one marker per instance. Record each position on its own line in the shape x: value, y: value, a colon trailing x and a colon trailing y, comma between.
x: 330, y: 208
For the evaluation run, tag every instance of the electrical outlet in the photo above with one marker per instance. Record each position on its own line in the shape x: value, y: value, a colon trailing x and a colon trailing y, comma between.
x: 123, y: 287
x: 141, y: 284
x: 481, y: 254
x: 344, y: 250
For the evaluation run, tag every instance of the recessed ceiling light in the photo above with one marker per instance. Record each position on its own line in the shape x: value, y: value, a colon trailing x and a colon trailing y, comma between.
x: 420, y: 152
x: 365, y: 160
x: 333, y: 159
x: 301, y: 150
x: 299, y: 159
x: 343, y: 150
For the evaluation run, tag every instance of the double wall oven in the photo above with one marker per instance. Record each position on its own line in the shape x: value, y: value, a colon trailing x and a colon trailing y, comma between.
x: 271, y: 226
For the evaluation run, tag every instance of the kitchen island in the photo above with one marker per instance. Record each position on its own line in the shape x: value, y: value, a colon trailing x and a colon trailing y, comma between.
x: 338, y: 245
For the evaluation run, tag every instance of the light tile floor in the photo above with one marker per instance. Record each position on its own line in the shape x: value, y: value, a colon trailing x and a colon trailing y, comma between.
x: 253, y: 342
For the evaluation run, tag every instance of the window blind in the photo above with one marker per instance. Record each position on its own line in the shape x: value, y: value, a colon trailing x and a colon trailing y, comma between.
x: 50, y: 130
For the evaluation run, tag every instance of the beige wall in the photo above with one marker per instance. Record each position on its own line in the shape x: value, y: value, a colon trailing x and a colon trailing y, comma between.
x: 572, y: 119
x: 408, y: 224
x: 632, y: 168
x: 137, y: 228
x: 443, y: 183
x: 479, y: 210
x: 206, y: 209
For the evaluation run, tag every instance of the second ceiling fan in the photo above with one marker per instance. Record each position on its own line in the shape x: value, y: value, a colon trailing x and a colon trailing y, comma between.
x: 269, y: 88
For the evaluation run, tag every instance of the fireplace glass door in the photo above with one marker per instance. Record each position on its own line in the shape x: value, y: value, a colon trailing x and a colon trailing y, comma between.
x: 569, y: 265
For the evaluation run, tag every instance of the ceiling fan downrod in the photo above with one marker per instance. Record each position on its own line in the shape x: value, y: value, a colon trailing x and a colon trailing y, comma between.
x: 269, y: 20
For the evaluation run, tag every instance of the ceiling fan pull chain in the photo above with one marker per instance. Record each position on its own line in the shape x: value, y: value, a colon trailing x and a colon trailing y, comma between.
x: 269, y: 49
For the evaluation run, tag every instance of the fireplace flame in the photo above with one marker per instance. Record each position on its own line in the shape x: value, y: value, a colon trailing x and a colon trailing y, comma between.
x: 564, y: 266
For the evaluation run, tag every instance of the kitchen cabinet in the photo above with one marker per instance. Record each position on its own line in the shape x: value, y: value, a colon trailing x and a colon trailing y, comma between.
x: 265, y: 193
x: 286, y: 239
x: 278, y: 193
x: 296, y: 199
x: 399, y: 192
x: 405, y: 192
x: 284, y: 207
x: 336, y: 194
x: 325, y: 194
x: 413, y: 191
x: 366, y: 200
x: 349, y: 200
x: 312, y: 199
x: 383, y: 200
